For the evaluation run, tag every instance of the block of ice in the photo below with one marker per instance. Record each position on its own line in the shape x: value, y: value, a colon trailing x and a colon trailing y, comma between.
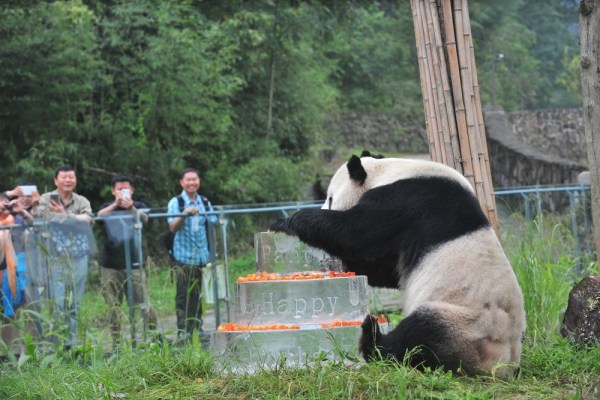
x: 314, y: 301
x: 278, y: 252
x: 253, y: 351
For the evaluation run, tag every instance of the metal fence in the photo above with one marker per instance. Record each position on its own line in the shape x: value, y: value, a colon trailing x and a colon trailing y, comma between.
x: 572, y: 202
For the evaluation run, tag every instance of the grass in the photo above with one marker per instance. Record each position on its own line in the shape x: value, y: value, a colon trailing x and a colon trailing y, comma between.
x: 552, y: 367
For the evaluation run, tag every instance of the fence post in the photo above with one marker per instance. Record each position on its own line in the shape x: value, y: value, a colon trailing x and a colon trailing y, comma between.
x: 573, y: 201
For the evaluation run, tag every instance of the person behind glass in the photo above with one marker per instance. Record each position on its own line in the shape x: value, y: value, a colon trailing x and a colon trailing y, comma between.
x: 29, y: 254
x: 190, y: 250
x: 70, y: 218
x: 14, y: 281
x: 24, y: 203
x: 118, y: 219
x: 15, y: 193
x: 11, y: 288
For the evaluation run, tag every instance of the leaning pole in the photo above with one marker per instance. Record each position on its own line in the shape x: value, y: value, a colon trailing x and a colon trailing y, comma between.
x: 453, y: 114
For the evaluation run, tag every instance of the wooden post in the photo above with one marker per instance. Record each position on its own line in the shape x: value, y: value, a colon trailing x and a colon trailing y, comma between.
x: 589, y: 22
x: 453, y: 114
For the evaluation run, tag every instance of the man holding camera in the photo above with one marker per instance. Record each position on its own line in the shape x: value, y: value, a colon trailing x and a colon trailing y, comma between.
x: 120, y: 218
x: 70, y: 243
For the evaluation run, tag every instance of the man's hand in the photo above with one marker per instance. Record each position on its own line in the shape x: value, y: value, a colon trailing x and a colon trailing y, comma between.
x: 16, y: 192
x: 125, y: 203
x: 56, y: 206
x: 193, y: 210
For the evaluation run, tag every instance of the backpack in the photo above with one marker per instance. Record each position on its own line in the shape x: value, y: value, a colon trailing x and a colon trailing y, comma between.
x: 169, y: 237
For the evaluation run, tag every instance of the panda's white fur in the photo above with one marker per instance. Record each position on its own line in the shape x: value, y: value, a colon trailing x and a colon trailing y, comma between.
x: 490, y: 314
x: 463, y: 306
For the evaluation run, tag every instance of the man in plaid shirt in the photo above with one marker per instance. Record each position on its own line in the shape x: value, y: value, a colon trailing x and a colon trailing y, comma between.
x: 190, y: 250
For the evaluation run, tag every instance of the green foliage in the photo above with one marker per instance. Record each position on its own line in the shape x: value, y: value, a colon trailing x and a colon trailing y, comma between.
x: 570, y: 78
x: 375, y: 54
x: 279, y: 176
x: 555, y: 25
x: 168, y: 80
x: 285, y: 93
x: 148, y: 87
x: 543, y: 255
x: 46, y: 67
x: 533, y: 37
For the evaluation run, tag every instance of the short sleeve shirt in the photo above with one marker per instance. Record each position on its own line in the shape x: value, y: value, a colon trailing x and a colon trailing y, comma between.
x: 68, y: 236
x: 190, y: 245
x: 119, y: 228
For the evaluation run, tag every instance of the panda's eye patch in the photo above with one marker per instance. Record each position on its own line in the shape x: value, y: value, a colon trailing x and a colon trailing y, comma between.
x: 330, y: 201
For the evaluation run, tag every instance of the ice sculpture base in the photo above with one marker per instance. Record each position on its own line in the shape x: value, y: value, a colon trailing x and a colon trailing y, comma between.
x: 255, y: 351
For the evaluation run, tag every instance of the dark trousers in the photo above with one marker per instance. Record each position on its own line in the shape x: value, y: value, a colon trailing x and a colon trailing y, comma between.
x: 188, y: 303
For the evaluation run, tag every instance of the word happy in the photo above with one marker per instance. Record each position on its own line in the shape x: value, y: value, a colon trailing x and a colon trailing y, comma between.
x: 297, y: 307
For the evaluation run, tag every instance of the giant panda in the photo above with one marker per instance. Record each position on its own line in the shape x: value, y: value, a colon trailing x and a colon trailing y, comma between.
x: 417, y: 225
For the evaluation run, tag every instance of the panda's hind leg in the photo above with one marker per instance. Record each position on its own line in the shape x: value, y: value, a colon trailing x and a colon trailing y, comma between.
x: 422, y: 334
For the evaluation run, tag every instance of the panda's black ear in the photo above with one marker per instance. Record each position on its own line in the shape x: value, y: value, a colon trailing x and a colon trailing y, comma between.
x: 367, y: 153
x: 356, y: 170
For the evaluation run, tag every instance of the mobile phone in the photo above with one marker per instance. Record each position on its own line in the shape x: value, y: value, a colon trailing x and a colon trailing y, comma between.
x: 28, y: 189
x: 54, y: 197
x: 126, y: 194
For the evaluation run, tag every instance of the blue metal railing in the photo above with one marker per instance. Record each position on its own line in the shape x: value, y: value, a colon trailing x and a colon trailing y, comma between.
x: 577, y: 197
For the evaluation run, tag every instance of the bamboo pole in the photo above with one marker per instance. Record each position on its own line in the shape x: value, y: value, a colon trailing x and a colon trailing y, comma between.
x: 423, y: 79
x: 425, y: 65
x: 451, y: 99
x: 445, y: 105
x: 479, y: 153
x: 459, y: 103
x: 485, y: 158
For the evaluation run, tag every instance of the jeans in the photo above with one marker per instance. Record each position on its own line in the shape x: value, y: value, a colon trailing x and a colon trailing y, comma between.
x: 67, y: 283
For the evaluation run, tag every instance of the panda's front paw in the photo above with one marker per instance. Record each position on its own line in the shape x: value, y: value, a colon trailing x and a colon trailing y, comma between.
x: 367, y: 344
x: 279, y: 225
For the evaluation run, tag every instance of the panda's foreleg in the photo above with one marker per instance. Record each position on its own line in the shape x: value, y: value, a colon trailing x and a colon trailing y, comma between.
x: 323, y: 229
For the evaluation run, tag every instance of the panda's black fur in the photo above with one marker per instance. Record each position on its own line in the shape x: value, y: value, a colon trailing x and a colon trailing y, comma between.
x: 403, y: 224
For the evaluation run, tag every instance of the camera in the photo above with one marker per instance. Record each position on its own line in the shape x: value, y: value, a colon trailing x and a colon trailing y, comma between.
x: 126, y: 194
x: 9, y: 207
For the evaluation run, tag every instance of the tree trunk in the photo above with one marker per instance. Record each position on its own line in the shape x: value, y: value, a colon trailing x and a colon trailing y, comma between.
x: 589, y: 20
x: 271, y: 91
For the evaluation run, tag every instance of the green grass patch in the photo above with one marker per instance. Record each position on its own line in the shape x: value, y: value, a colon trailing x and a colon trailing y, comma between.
x: 552, y: 368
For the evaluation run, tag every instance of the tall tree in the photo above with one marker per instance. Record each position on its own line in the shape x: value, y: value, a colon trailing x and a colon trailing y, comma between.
x: 590, y: 76
x: 168, y: 82
x: 47, y: 68
x: 554, y: 24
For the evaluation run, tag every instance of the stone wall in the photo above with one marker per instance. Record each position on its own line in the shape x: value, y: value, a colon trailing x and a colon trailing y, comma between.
x: 379, y: 132
x: 514, y: 159
x: 541, y: 147
x: 557, y: 132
